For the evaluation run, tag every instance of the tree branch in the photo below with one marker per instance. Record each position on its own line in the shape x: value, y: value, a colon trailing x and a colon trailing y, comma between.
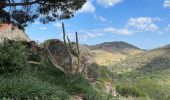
x: 2, y: 4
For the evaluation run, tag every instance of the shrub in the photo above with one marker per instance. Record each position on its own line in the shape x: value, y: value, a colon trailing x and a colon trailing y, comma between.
x: 13, y: 57
x: 26, y: 87
x: 125, y: 90
x: 45, y: 84
x: 99, y: 72
x: 73, y: 85
x: 153, y: 88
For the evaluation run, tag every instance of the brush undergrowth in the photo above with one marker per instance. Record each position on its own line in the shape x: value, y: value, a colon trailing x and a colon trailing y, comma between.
x: 22, y: 81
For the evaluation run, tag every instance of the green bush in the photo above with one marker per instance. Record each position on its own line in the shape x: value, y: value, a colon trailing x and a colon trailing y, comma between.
x: 13, y: 57
x: 45, y: 84
x: 125, y: 90
x: 74, y: 85
x: 26, y: 87
x: 99, y: 72
x: 153, y: 88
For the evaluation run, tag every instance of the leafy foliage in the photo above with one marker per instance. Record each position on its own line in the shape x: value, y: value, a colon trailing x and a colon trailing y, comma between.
x: 13, y: 57
x: 48, y: 83
x: 74, y: 85
x: 28, y: 87
x: 126, y: 90
x: 99, y: 72
x: 19, y: 12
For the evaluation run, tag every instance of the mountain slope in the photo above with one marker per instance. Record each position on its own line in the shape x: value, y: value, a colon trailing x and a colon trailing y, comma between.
x: 157, y: 58
x: 117, y: 47
x: 109, y: 53
x: 105, y: 58
x: 149, y: 72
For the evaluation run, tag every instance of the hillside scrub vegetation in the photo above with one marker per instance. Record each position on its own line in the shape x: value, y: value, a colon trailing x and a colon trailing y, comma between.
x: 21, y: 80
x: 13, y: 57
x: 148, y: 72
x: 66, y: 70
x: 26, y: 73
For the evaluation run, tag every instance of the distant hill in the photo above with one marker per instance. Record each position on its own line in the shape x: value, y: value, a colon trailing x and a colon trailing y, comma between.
x: 11, y: 32
x: 116, y: 47
x: 162, y: 48
x: 108, y: 53
x: 156, y: 58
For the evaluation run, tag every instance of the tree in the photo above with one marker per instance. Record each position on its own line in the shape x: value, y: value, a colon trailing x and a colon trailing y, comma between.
x: 22, y: 12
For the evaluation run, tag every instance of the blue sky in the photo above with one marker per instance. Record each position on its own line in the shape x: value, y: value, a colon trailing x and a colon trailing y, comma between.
x: 143, y: 23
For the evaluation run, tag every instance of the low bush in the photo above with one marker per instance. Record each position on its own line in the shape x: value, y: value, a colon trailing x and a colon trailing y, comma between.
x: 46, y: 83
x: 126, y: 90
x: 74, y: 85
x: 99, y: 72
x: 13, y: 57
x: 26, y: 87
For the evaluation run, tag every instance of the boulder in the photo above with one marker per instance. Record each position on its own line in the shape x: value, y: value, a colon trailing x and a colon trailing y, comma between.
x: 61, y: 57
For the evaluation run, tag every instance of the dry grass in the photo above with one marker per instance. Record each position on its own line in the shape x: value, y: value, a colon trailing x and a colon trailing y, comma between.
x: 105, y: 58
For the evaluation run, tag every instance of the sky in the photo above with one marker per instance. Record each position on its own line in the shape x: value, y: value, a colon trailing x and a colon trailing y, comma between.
x: 143, y: 23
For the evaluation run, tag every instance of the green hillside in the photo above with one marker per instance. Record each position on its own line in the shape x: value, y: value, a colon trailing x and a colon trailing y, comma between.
x: 27, y: 74
x: 149, y: 72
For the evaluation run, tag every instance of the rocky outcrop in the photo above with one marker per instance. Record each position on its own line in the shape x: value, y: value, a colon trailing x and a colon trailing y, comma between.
x: 61, y: 57
x: 8, y: 31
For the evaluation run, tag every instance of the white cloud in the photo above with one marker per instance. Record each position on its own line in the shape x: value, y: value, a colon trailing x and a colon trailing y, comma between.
x: 43, y: 28
x: 167, y: 28
x: 58, y: 25
x: 85, y: 35
x: 88, y: 7
x: 89, y: 35
x: 143, y: 23
x: 133, y: 26
x: 166, y: 4
x: 108, y: 3
x: 122, y: 31
x: 100, y: 18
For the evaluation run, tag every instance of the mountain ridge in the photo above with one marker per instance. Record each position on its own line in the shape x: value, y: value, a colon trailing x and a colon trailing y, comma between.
x: 108, y: 53
x: 116, y: 44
